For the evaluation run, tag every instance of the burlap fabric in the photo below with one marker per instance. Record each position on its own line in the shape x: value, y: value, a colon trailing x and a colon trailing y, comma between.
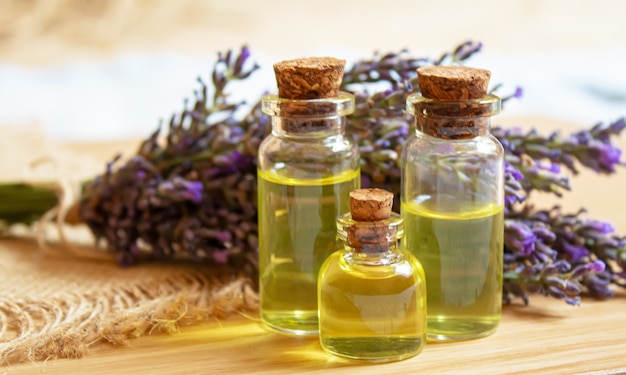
x: 59, y: 306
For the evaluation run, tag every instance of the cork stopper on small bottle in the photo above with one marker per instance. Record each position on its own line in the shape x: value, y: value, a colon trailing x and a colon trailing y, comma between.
x: 309, y: 78
x: 370, y: 208
x: 453, y: 83
x: 370, y: 204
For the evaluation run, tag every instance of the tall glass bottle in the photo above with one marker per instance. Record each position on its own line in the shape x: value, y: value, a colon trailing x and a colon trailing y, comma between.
x: 372, y: 295
x: 452, y: 201
x: 306, y: 170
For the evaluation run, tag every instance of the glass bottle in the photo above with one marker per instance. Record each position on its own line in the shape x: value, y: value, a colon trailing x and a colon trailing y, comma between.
x: 306, y: 170
x: 452, y: 202
x: 372, y: 295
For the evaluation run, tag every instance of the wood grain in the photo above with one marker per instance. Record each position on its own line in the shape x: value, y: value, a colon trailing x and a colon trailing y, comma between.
x: 548, y: 337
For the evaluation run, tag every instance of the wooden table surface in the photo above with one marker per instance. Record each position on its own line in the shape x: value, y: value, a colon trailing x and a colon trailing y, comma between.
x: 547, y: 337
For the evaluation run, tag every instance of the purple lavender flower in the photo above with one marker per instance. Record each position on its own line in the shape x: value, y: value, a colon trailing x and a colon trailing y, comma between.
x: 582, y: 269
x: 236, y: 160
x: 539, y: 152
x: 509, y: 200
x: 559, y: 266
x: 595, y: 228
x: 509, y: 170
x: 556, y: 292
x: 519, y: 236
x: 241, y: 59
x: 544, y: 233
x: 543, y: 180
x: 598, y: 284
x: 366, y: 181
x: 517, y: 94
x: 608, y: 157
x: 604, y: 133
x: 220, y: 257
x: 179, y: 189
x: 598, y: 156
x: 591, y: 148
x: 572, y: 288
x: 597, y: 266
x: 513, y: 190
x: 573, y: 301
x: 134, y: 249
x: 551, y: 167
x: 575, y: 253
x: 223, y: 236
x: 466, y: 50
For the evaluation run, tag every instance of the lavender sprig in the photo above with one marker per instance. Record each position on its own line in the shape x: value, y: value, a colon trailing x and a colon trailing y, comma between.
x: 541, y: 246
x: 193, y: 196
x: 591, y: 148
x: 398, y: 69
x: 392, y: 68
x: 539, y: 159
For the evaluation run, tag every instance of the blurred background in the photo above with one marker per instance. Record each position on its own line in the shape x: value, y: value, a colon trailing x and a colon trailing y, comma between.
x: 97, y: 70
x: 81, y: 80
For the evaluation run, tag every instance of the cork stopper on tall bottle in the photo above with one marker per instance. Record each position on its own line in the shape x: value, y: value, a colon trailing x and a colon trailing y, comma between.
x: 370, y: 208
x: 457, y: 104
x: 453, y: 83
x: 309, y: 78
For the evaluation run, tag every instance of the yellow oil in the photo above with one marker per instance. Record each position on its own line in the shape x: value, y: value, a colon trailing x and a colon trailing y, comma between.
x: 462, y: 257
x: 297, y: 232
x: 372, y: 312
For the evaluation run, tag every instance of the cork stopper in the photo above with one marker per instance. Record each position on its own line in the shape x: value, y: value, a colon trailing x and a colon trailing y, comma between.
x: 370, y: 204
x: 370, y: 209
x: 309, y: 78
x: 454, y: 103
x: 453, y: 83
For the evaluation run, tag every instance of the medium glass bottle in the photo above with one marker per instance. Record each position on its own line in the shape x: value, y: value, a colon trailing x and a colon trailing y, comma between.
x: 372, y: 295
x: 453, y: 199
x: 306, y: 170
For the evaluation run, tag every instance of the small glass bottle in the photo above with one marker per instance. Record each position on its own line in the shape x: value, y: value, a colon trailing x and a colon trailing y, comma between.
x: 372, y: 295
x: 306, y: 170
x: 453, y: 200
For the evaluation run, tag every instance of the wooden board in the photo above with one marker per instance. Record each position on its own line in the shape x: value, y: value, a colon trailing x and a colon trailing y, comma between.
x: 547, y: 337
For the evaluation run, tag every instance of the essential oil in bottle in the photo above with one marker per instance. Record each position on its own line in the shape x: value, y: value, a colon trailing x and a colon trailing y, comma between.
x: 372, y: 295
x: 306, y: 169
x: 453, y: 199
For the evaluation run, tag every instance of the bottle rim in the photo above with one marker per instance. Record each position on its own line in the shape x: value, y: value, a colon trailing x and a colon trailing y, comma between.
x: 394, y: 225
x: 418, y: 105
x: 324, y: 108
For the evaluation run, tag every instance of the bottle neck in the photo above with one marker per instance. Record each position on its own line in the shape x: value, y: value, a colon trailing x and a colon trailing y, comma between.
x: 391, y: 256
x: 452, y: 128
x: 366, y: 250
x: 310, y: 118
x: 370, y: 238
x: 453, y: 120
x: 294, y: 127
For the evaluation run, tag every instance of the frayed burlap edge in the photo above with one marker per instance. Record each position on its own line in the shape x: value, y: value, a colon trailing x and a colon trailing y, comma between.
x: 67, y: 324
